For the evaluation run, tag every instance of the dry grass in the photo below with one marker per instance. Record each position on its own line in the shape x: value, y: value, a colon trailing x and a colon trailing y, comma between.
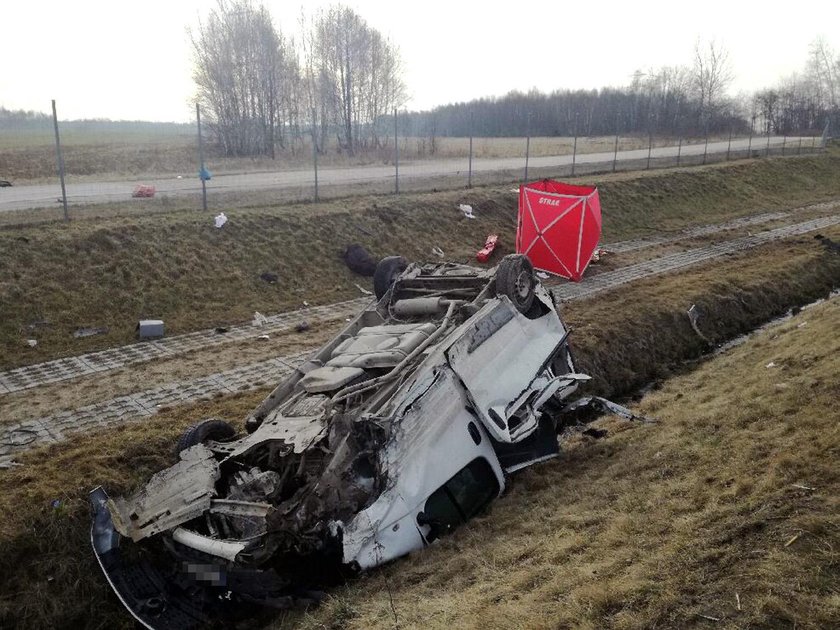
x: 28, y: 157
x: 110, y: 269
x: 656, y: 526
x: 601, y: 522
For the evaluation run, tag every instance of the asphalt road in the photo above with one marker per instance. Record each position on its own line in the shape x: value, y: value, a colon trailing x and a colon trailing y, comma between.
x: 45, y: 195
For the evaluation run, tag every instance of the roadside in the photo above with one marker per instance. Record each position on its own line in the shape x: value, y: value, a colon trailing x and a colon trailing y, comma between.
x: 725, y: 514
x: 111, y: 271
x: 624, y: 337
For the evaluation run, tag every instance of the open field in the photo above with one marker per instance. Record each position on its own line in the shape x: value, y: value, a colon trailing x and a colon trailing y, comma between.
x: 28, y: 155
x: 111, y: 268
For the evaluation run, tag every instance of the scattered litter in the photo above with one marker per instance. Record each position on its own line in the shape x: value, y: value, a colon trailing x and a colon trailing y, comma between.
x: 220, y: 219
x: 801, y: 487
x: 831, y: 246
x: 793, y: 539
x: 802, y: 325
x: 5, y: 183
x: 599, y: 253
x: 55, y: 504
x: 179, y: 177
x: 770, y: 365
x: 514, y: 190
x: 90, y: 332
x: 306, y: 304
x: 346, y: 319
x: 467, y: 210
x: 484, y: 254
x: 148, y: 328
x: 204, y: 174
x: 437, y: 251
x: 709, y: 617
x: 363, y: 290
x: 693, y: 317
x: 259, y: 319
x: 38, y: 323
x: 738, y: 601
x: 271, y: 278
x: 302, y: 327
x: 143, y: 191
x: 542, y: 275
x: 32, y: 342
x: 264, y: 337
x: 222, y: 329
x: 359, y: 260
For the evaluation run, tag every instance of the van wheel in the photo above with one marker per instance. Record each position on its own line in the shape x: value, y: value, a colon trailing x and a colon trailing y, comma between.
x: 387, y: 272
x: 211, y: 429
x: 515, y: 279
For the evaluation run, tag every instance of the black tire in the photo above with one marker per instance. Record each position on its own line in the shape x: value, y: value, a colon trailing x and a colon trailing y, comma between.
x: 387, y: 271
x: 216, y: 430
x: 515, y: 279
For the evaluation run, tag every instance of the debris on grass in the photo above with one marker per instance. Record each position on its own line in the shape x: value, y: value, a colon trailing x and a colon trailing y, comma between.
x: 220, y: 219
x: 149, y: 328
x: 32, y: 342
x: 363, y: 290
x: 259, y: 319
x: 143, y: 191
x: 90, y: 332
x: 359, y: 260
x: 271, y: 278
x: 467, y: 210
x: 490, y: 243
x: 302, y: 327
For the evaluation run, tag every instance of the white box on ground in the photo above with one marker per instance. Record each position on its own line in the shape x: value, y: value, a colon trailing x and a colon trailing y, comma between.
x: 148, y: 328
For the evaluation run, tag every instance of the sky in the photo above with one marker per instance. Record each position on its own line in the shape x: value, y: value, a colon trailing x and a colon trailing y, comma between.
x: 132, y: 60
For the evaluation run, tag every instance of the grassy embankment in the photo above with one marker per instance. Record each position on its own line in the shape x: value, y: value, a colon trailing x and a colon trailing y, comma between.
x: 112, y: 270
x: 611, y: 534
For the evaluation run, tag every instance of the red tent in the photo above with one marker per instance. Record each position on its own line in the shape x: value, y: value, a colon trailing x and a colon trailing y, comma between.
x: 559, y: 226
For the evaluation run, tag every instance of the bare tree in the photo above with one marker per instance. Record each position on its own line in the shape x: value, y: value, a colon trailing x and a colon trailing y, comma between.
x: 712, y: 74
x: 241, y: 70
x: 358, y: 74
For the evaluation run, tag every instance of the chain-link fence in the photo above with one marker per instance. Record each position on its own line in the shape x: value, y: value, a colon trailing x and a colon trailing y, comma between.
x: 55, y: 164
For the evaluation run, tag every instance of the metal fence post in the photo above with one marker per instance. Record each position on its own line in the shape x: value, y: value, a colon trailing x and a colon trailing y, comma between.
x: 729, y: 146
x: 396, y: 156
x: 749, y: 146
x: 527, y: 147
x: 315, y: 153
x: 615, y: 151
x: 201, y: 169
x: 767, y: 149
x: 784, y: 143
x: 799, y: 148
x: 59, y: 158
x: 813, y: 143
x: 706, y: 147
x: 650, y: 146
x: 574, y: 148
x: 679, y: 150
x: 469, y: 173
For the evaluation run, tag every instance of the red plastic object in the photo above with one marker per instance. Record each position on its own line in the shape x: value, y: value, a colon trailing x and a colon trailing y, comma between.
x: 143, y: 191
x: 559, y: 226
x: 489, y: 245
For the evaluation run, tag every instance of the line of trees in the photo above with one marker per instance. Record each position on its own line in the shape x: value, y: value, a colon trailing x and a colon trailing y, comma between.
x: 260, y: 90
x: 341, y: 80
